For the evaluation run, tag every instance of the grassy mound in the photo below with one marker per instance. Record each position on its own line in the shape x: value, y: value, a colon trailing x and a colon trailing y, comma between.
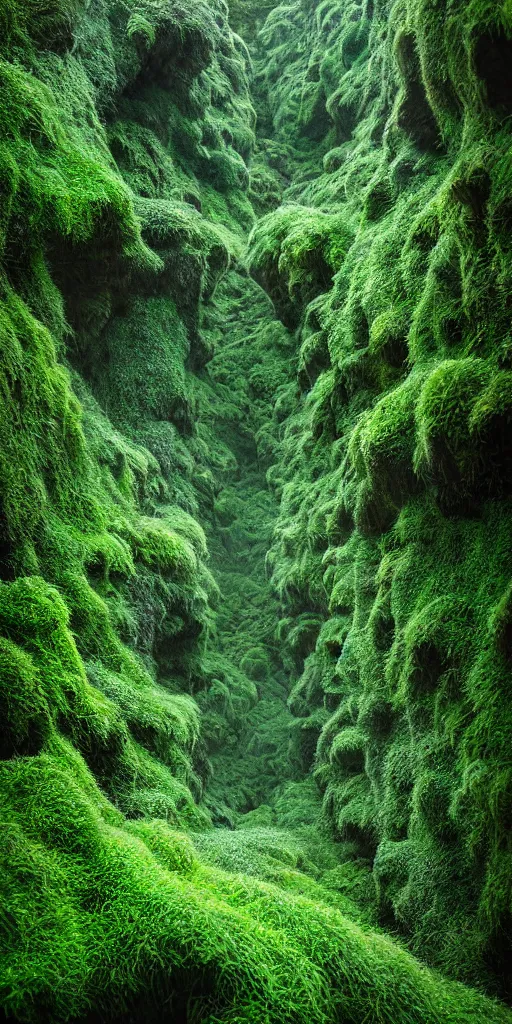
x: 123, y: 914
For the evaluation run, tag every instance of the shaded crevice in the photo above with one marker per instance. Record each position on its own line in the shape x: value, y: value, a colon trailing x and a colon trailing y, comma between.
x: 415, y: 115
x: 493, y: 62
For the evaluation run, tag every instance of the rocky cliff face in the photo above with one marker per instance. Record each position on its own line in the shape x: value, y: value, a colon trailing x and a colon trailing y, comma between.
x: 230, y: 479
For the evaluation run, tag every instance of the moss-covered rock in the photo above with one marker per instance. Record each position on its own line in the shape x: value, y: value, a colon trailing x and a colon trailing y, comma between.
x: 392, y: 469
x: 254, y: 547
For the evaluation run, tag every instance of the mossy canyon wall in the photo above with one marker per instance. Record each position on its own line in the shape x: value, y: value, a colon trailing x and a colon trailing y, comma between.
x: 255, y: 511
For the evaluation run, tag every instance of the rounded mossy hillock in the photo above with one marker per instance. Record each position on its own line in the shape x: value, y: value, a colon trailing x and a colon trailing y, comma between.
x: 159, y: 547
x: 295, y: 253
x: 348, y: 749
x: 382, y: 447
x: 444, y: 445
x: 255, y: 664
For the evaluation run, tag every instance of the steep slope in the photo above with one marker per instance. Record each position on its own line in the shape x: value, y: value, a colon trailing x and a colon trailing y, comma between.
x: 150, y: 388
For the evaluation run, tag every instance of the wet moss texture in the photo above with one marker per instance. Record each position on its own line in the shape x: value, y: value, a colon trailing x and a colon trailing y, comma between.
x: 255, y: 511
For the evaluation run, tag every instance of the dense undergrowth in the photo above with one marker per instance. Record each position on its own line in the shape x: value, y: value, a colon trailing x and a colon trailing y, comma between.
x: 161, y: 410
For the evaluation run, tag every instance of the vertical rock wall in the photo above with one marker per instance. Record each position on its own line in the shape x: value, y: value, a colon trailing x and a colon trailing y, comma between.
x: 389, y: 129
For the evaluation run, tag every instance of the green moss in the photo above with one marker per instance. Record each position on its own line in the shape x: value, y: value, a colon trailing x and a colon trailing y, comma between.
x: 343, y: 467
x: 160, y: 548
x: 294, y: 255
x: 391, y: 468
x: 25, y: 712
x: 443, y: 413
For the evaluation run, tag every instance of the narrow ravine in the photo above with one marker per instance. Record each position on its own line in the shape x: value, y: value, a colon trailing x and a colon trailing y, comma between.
x: 255, y: 512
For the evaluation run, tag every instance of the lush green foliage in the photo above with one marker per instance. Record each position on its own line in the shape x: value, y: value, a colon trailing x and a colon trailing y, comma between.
x: 392, y: 549
x: 149, y: 387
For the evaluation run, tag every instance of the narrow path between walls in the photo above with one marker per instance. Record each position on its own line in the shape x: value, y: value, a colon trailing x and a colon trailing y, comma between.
x: 254, y: 645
